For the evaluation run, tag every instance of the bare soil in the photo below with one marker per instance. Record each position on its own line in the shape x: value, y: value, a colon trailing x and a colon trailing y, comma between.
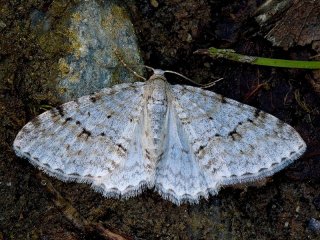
x: 278, y: 208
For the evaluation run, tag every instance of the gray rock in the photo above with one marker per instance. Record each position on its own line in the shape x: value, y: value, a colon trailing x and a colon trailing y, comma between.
x: 97, y: 33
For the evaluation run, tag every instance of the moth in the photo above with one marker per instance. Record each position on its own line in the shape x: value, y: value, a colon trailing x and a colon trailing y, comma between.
x: 184, y: 141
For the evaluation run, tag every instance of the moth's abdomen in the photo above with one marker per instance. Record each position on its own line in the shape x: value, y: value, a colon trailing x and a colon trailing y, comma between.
x: 157, y: 118
x: 156, y: 112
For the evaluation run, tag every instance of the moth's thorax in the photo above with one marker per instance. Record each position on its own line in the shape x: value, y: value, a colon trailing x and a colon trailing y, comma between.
x: 156, y: 113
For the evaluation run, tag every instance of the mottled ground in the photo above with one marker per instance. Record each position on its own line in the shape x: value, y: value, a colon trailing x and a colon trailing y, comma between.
x: 278, y: 208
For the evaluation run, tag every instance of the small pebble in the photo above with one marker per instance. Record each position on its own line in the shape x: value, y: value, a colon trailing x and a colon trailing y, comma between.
x: 314, y: 225
x: 189, y: 38
x: 154, y: 3
x: 43, y: 182
x: 206, y: 64
x: 2, y: 24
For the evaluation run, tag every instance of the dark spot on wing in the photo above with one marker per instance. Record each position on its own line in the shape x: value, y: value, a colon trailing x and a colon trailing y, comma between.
x: 250, y: 120
x: 112, y: 91
x: 85, y: 132
x: 122, y: 148
x: 185, y: 151
x: 234, y: 134
x: 283, y: 159
x: 148, y: 166
x: 59, y: 170
x: 102, y: 134
x: 262, y: 169
x: 247, y: 174
x: 88, y: 176
x: 161, y: 155
x: 89, y: 114
x: 147, y: 154
x: 74, y: 174
x: 291, y: 153
x: 93, y: 99
x: 131, y: 119
x: 135, y: 90
x: 60, y: 110
x: 47, y: 165
x: 109, y: 116
x: 200, y: 149
x: 221, y: 98
x: 280, y: 123
x: 257, y: 113
x: 54, y: 112
x: 210, y: 118
x: 68, y: 119
x: 76, y: 101
x: 78, y: 123
x: 263, y: 114
x: 185, y: 121
x: 235, y: 129
x: 217, y: 135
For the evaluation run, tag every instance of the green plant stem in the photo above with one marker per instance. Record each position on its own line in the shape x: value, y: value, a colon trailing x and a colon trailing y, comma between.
x: 271, y: 62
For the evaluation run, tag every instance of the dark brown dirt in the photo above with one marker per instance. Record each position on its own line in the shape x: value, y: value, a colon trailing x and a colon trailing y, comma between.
x: 168, y: 34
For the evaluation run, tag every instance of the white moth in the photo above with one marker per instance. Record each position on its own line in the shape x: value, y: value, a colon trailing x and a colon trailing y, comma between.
x: 184, y: 141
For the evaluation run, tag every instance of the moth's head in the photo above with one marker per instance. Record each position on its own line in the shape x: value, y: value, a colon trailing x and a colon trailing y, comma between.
x: 158, y: 74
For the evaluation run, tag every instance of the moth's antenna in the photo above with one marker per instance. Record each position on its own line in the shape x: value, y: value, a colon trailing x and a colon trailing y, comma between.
x: 208, y: 85
x: 148, y: 67
x: 116, y: 52
x: 127, y: 67
x: 201, y: 85
x: 180, y: 75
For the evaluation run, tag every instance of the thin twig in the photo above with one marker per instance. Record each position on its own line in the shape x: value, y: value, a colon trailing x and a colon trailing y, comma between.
x: 254, y: 91
x: 230, y: 54
x: 73, y: 215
